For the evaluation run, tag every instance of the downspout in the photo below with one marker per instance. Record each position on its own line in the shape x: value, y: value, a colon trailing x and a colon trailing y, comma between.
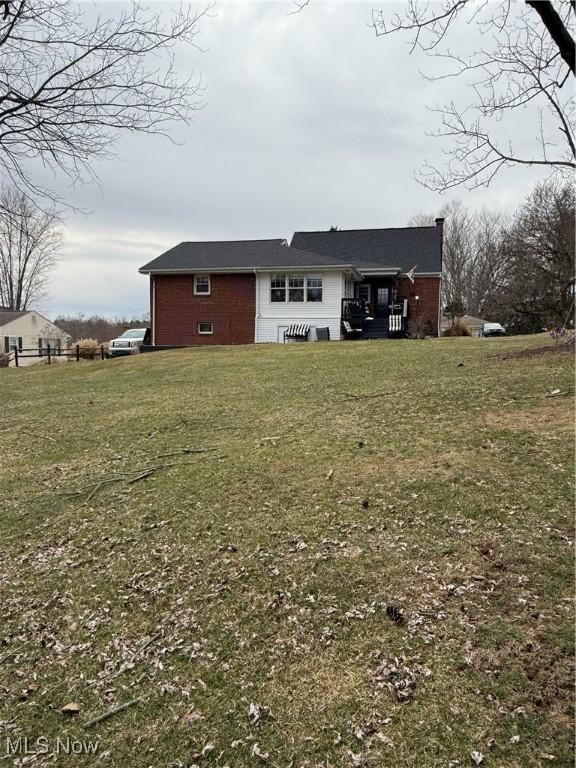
x: 440, y: 224
x: 153, y: 308
x: 256, y: 306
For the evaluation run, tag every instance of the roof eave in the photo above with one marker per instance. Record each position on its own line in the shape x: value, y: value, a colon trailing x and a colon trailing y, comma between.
x: 379, y: 270
x: 245, y: 270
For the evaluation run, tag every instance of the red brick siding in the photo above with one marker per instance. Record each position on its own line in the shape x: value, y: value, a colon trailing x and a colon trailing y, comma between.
x: 231, y: 306
x: 422, y: 314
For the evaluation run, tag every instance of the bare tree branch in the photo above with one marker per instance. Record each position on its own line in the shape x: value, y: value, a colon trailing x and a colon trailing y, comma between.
x: 558, y: 31
x: 520, y: 63
x: 70, y: 83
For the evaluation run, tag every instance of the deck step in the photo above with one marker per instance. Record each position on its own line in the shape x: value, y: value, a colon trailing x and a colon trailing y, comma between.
x: 375, y: 334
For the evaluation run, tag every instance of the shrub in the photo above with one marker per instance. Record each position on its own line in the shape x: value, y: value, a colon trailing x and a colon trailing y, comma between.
x: 4, y: 360
x: 458, y: 328
x: 89, y: 349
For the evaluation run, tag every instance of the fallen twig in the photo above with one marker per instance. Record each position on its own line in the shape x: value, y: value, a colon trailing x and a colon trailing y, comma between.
x: 184, y: 450
x: 352, y: 396
x: 137, y: 475
x: 111, y: 712
x: 36, y: 434
x: 147, y: 644
x: 537, y: 397
x: 329, y: 475
x: 138, y: 652
x: 144, y: 474
x: 13, y: 652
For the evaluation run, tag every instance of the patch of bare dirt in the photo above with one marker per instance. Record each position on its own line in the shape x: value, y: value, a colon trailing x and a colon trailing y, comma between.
x: 566, y: 346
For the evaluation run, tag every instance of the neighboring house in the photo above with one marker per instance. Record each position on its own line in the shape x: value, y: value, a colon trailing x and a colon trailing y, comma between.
x: 240, y: 292
x: 474, y: 323
x: 28, y: 330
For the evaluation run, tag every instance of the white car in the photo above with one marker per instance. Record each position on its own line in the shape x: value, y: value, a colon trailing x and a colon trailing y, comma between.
x: 129, y: 343
x: 493, y: 329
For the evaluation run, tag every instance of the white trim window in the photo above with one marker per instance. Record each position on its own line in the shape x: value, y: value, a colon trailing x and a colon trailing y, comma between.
x: 313, y: 288
x: 205, y: 329
x: 202, y: 285
x: 295, y: 288
x: 277, y: 288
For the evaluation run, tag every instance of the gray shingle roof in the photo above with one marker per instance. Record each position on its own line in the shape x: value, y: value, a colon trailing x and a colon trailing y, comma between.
x: 7, y: 315
x: 369, y: 248
x: 236, y: 254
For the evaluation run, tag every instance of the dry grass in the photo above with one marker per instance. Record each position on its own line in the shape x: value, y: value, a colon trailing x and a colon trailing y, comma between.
x: 539, y: 418
x: 241, y: 593
x: 458, y: 328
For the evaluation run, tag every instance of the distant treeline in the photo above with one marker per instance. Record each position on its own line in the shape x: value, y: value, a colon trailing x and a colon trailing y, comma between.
x: 95, y: 327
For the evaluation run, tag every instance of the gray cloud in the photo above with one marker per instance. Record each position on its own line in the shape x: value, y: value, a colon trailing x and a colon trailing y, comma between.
x: 310, y: 120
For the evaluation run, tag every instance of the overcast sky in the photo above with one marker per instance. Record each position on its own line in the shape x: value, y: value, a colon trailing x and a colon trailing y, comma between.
x: 310, y: 120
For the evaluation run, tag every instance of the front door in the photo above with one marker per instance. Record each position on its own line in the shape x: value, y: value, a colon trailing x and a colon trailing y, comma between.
x: 382, y: 301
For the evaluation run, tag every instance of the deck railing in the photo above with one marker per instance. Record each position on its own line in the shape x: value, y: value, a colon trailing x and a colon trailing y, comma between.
x: 354, y: 311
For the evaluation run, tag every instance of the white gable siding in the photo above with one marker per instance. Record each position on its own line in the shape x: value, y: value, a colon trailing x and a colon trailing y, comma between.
x: 272, y: 319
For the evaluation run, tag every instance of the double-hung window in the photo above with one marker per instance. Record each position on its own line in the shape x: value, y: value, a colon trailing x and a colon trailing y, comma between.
x: 278, y: 288
x: 202, y: 285
x: 296, y: 288
x: 12, y: 341
x: 313, y: 288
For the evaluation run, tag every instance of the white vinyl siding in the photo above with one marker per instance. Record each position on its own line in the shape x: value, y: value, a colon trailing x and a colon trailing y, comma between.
x: 274, y: 317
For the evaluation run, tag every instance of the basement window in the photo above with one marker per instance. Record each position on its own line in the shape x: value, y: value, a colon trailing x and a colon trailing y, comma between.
x: 205, y: 329
x: 202, y: 285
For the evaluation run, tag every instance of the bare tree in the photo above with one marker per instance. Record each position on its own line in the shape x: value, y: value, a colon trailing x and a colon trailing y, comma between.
x: 525, y: 58
x: 71, y: 81
x: 471, y: 255
x: 537, y: 287
x: 486, y: 269
x: 29, y: 242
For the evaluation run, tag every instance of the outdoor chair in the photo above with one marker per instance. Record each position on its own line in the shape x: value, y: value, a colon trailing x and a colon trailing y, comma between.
x: 349, y: 332
x: 395, y: 325
x: 297, y: 331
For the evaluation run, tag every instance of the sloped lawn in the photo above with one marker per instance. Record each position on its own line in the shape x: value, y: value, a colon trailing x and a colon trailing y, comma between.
x: 218, y: 534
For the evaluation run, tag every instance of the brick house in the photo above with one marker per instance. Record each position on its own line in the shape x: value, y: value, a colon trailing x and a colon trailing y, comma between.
x: 374, y: 282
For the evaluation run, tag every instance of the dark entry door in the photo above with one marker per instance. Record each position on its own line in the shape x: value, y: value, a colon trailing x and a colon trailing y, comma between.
x: 382, y: 301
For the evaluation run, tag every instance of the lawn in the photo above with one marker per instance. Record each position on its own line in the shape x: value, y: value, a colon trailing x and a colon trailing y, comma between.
x: 216, y: 534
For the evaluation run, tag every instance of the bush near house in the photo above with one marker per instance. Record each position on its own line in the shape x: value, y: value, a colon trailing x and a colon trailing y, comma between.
x: 89, y: 349
x: 457, y: 328
x: 309, y: 555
